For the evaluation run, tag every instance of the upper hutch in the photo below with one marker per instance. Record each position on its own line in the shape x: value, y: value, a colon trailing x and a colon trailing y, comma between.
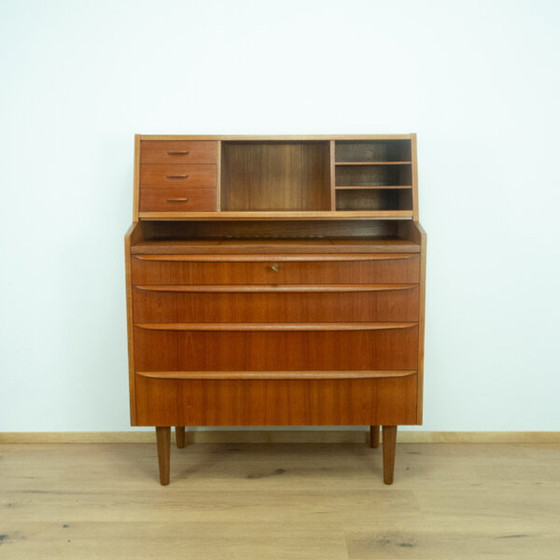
x: 275, y: 280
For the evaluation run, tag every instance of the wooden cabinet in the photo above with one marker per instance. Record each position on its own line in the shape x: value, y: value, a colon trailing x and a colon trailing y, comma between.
x: 275, y: 281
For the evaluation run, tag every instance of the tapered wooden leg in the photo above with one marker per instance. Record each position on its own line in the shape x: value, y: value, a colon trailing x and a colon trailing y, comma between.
x: 374, y: 436
x: 163, y: 436
x: 389, y: 448
x: 180, y: 436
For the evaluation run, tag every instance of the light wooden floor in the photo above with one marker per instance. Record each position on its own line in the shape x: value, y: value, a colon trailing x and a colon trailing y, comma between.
x: 279, y: 501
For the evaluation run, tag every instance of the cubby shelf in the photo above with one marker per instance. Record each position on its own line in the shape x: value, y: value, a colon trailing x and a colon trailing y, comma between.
x: 378, y: 187
x: 341, y: 163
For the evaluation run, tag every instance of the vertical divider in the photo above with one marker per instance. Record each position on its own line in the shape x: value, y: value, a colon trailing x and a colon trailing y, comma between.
x: 415, y: 211
x: 136, y: 190
x: 219, y: 176
x: 332, y: 174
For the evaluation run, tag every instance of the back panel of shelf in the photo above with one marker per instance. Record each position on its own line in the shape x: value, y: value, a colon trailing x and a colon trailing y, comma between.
x: 275, y: 176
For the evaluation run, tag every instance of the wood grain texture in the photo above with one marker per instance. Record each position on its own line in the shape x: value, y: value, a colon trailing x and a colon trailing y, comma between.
x: 163, y: 435
x: 164, y: 350
x: 286, y: 501
x: 422, y: 317
x: 178, y: 151
x: 279, y: 215
x: 389, y: 451
x: 357, y: 435
x: 177, y: 198
x: 415, y: 205
x: 273, y: 137
x: 248, y: 269
x: 297, y: 402
x: 275, y: 281
x: 275, y: 176
x: 298, y: 375
x: 374, y: 436
x: 180, y: 438
x: 310, y: 304
x: 136, y: 180
x: 128, y: 239
x: 355, y: 233
x: 188, y: 175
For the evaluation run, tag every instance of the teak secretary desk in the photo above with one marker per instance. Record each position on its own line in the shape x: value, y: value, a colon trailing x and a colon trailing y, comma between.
x: 275, y: 280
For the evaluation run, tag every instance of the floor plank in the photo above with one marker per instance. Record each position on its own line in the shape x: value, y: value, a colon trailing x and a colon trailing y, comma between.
x: 285, y: 501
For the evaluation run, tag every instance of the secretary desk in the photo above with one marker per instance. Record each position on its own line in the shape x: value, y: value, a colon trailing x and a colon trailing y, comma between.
x: 275, y: 281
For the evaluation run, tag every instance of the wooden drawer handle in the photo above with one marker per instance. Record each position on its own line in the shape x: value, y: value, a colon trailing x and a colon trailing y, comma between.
x: 177, y: 200
x: 183, y: 153
x: 274, y: 267
x: 177, y: 176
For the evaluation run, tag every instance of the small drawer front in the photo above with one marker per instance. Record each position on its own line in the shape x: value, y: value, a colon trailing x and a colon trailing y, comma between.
x: 177, y: 199
x: 187, y: 175
x: 191, y: 269
x: 164, y: 151
x: 276, y: 350
x: 268, y: 305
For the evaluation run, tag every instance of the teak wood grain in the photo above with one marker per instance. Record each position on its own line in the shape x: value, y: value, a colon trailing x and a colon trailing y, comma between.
x: 177, y: 197
x: 275, y: 281
x: 275, y: 269
x: 269, y: 304
x: 295, y: 402
x: 178, y: 151
x: 292, y: 350
x: 185, y: 175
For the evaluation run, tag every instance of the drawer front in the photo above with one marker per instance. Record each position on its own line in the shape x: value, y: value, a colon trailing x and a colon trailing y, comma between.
x: 164, y: 151
x: 177, y: 199
x: 270, y: 270
x: 168, y: 402
x: 188, y: 175
x: 212, y: 304
x: 267, y: 350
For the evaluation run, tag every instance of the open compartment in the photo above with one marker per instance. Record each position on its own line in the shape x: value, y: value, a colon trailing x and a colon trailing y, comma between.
x: 275, y: 176
x: 368, y: 175
x: 369, y: 199
x: 373, y: 150
x: 260, y: 236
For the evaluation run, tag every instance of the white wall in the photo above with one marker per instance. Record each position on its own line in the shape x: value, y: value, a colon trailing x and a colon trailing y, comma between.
x: 478, y: 81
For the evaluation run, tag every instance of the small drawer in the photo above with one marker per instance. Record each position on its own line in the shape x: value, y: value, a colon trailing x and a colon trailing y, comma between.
x: 187, y: 175
x: 275, y: 269
x: 177, y: 199
x: 165, y: 151
x: 262, y: 304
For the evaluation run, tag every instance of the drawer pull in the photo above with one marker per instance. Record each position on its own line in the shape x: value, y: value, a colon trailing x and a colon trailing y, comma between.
x: 179, y: 153
x: 177, y: 200
x: 177, y: 176
x: 274, y: 267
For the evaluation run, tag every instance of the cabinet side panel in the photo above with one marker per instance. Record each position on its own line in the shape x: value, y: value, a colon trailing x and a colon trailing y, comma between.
x: 130, y: 320
x: 422, y: 319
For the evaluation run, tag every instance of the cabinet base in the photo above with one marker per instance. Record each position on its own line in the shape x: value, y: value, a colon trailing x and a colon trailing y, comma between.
x: 163, y: 435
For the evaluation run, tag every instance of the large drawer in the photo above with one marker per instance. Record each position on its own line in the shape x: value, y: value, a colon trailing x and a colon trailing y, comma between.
x: 241, y: 402
x: 275, y: 269
x: 180, y: 151
x: 290, y: 303
x: 275, y: 347
x: 177, y: 199
x: 189, y: 175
